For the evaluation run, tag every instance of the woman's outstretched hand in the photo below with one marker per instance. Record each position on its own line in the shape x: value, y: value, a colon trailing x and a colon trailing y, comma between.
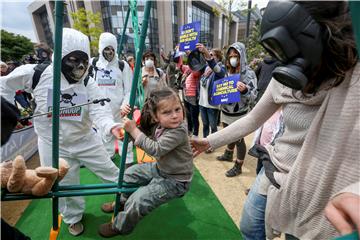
x: 199, y: 145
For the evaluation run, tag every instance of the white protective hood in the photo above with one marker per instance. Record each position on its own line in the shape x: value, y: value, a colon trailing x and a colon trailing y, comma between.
x: 107, y: 39
x: 74, y: 40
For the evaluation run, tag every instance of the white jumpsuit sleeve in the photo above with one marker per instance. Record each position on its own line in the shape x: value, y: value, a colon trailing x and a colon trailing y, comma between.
x: 127, y: 77
x: 19, y: 79
x: 100, y: 115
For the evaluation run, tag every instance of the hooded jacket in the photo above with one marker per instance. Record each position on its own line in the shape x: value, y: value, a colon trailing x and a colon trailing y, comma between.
x: 76, y: 123
x: 114, y: 83
x: 248, y: 77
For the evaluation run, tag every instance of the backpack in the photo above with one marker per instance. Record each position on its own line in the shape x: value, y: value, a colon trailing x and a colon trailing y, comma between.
x: 93, y: 67
x: 40, y: 68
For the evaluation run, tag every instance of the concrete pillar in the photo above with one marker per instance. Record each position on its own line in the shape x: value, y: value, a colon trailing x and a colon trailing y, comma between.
x: 165, y: 25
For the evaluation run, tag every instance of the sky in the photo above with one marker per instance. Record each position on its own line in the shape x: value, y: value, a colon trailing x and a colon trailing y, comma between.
x: 15, y: 17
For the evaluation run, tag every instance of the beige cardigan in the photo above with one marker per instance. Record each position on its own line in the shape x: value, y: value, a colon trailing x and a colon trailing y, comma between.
x: 328, y: 162
x: 283, y: 208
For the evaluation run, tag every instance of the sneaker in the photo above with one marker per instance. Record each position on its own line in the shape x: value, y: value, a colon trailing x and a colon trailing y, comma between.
x: 106, y: 230
x: 76, y: 229
x: 109, y: 207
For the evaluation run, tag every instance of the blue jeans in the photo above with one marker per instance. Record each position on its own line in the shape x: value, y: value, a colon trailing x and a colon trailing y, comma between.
x: 209, y: 117
x: 252, y: 223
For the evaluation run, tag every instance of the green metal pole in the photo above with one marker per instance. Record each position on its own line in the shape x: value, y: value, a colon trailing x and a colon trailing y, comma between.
x: 122, y: 39
x: 132, y: 98
x: 59, y: 15
x: 355, y: 15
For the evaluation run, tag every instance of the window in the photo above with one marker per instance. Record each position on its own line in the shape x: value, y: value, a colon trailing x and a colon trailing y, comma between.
x: 207, y: 23
x: 114, y: 14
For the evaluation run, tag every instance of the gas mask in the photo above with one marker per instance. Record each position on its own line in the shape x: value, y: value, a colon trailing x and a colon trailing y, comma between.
x: 292, y: 36
x: 74, y: 66
x: 149, y: 63
x: 233, y: 61
x: 109, y: 53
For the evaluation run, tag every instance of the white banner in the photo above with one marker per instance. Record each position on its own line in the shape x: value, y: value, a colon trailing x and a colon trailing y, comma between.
x: 22, y: 142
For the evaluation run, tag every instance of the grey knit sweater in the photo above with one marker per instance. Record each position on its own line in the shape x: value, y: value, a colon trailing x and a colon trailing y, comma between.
x: 298, y: 112
x: 327, y: 163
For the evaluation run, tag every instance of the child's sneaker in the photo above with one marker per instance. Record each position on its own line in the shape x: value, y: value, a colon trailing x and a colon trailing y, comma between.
x: 76, y: 229
x: 106, y: 230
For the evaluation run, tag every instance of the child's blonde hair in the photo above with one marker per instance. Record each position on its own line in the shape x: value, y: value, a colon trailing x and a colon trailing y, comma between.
x: 148, y: 113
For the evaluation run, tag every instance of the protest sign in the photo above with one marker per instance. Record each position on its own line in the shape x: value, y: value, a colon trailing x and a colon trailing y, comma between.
x: 224, y: 90
x: 189, y: 36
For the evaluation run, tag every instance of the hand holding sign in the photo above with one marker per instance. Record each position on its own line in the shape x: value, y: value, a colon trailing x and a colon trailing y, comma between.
x: 241, y: 87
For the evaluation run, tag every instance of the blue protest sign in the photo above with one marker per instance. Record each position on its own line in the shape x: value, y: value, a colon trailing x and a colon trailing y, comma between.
x: 224, y: 90
x: 189, y: 36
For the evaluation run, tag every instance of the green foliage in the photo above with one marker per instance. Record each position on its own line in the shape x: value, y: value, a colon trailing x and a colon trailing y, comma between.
x: 89, y: 24
x: 254, y: 49
x: 14, y: 47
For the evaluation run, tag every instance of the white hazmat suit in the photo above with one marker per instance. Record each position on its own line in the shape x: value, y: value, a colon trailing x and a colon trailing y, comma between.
x: 116, y: 85
x: 78, y: 142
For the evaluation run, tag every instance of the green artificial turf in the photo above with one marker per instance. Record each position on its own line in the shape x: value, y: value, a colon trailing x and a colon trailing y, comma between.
x: 197, y: 215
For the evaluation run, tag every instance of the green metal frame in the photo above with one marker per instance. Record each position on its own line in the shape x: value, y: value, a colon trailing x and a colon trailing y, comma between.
x: 88, y: 189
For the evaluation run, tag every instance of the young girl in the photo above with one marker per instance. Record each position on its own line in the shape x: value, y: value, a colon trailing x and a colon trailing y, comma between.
x: 166, y: 179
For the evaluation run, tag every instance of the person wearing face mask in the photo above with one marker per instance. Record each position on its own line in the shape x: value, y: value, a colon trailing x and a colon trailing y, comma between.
x: 236, y: 64
x: 214, y: 71
x: 317, y: 87
x: 115, y: 84
x: 152, y: 77
x: 78, y: 143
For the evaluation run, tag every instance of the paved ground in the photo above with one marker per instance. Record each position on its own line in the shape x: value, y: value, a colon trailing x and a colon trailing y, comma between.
x: 230, y: 191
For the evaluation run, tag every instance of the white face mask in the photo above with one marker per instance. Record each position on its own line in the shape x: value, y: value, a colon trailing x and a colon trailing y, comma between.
x: 149, y: 63
x: 233, y: 61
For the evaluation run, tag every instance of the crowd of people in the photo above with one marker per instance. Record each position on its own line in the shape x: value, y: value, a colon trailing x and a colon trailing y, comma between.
x: 301, y: 101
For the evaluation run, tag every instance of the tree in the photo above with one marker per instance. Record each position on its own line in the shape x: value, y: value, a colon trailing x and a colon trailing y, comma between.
x: 226, y: 7
x: 89, y: 24
x: 254, y: 49
x: 14, y: 46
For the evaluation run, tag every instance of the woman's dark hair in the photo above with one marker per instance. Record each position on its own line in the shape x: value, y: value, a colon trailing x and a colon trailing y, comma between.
x: 340, y: 54
x: 149, y: 54
x: 148, y: 113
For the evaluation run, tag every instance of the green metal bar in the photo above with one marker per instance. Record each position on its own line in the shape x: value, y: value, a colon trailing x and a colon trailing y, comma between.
x: 93, y: 186
x: 355, y: 15
x: 59, y: 15
x: 87, y: 192
x: 120, y: 47
x: 135, y: 24
x: 132, y: 99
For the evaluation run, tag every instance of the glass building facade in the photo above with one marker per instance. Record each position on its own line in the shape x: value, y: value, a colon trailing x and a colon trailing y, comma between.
x: 207, y: 24
x: 114, y: 14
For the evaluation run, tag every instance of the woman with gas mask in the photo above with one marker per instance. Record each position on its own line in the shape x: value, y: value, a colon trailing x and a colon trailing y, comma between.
x: 236, y: 64
x: 152, y: 77
x: 78, y: 142
x: 317, y: 86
